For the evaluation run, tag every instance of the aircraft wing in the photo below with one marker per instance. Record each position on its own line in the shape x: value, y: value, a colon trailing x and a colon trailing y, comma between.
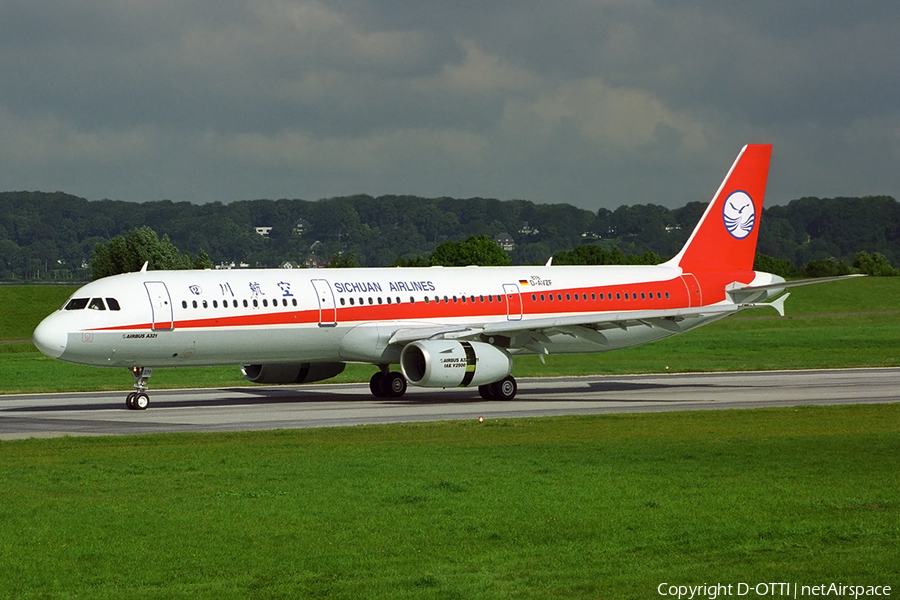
x: 533, y: 333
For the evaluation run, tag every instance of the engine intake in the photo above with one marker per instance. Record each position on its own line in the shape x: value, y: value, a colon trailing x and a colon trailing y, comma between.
x: 291, y: 373
x: 448, y: 363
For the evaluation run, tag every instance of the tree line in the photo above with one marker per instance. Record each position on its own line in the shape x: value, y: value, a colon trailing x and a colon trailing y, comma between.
x: 53, y: 236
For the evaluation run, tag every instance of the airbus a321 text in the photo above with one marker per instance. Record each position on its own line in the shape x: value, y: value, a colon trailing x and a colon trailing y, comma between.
x: 445, y: 327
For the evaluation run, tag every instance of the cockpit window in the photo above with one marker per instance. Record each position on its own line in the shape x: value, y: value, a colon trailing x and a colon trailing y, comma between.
x: 97, y: 304
x: 112, y: 303
x: 77, y: 303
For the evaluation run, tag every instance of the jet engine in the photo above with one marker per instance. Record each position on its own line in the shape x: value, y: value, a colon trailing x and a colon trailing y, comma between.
x: 448, y: 363
x: 291, y: 373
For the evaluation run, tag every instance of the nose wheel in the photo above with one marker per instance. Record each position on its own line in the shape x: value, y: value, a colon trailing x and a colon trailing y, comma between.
x: 139, y: 400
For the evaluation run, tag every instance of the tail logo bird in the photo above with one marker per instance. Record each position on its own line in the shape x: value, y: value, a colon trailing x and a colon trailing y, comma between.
x: 739, y: 214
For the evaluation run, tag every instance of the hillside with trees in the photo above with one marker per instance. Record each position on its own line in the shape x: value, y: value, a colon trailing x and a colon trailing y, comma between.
x: 52, y: 236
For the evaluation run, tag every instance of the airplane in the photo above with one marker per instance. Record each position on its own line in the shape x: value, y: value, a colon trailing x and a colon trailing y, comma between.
x: 444, y: 326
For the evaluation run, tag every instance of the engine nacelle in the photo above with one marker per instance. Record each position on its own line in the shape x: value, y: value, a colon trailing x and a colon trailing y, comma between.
x: 291, y: 373
x: 448, y: 363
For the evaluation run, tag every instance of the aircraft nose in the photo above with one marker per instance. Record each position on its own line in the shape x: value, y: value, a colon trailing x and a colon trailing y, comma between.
x: 50, y: 338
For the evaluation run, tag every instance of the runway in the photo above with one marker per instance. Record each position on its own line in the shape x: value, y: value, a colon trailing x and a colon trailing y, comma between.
x: 329, y: 405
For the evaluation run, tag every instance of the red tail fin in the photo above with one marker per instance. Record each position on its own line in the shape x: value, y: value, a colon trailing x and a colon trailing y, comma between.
x: 725, y: 238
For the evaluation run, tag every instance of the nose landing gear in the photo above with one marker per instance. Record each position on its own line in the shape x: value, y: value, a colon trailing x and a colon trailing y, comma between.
x: 139, y: 400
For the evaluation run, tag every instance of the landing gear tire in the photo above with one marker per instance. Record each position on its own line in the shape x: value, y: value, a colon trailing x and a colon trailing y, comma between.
x: 376, y: 385
x: 487, y: 391
x: 141, y: 401
x: 129, y: 400
x: 394, y: 384
x: 505, y: 389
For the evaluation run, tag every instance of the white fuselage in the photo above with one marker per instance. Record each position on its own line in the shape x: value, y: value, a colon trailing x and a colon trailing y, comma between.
x: 180, y: 318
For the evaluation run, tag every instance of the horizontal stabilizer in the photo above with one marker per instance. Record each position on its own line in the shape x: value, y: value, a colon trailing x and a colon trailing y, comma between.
x: 740, y: 293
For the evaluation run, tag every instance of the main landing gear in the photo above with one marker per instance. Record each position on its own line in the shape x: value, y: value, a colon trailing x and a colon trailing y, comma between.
x: 505, y: 389
x: 139, y: 400
x: 385, y: 384
x: 391, y: 384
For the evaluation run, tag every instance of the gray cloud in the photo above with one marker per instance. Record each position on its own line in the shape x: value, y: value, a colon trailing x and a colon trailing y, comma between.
x: 596, y: 103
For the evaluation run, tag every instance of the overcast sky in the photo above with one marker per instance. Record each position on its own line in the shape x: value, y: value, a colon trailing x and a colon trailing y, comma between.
x: 594, y: 103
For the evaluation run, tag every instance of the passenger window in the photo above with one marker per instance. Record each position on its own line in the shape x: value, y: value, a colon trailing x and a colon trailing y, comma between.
x: 667, y: 295
x: 618, y: 296
x: 205, y: 305
x: 352, y: 302
x: 594, y: 297
x: 97, y: 304
x: 184, y: 304
x: 534, y: 297
x: 215, y: 304
x: 245, y: 304
x: 294, y: 301
x: 642, y: 296
x: 194, y: 303
x: 481, y: 298
x: 568, y: 297
x: 255, y: 303
x: 551, y: 297
x: 412, y: 300
x: 371, y: 301
x: 559, y: 297
x: 265, y: 302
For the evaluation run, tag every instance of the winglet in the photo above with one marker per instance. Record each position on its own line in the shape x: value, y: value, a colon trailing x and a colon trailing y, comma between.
x: 778, y: 303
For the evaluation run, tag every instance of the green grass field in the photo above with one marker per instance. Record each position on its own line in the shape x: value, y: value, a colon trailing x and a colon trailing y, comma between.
x: 577, y: 507
x: 852, y: 323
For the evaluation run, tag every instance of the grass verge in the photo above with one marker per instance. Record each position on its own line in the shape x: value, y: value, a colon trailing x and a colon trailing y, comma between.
x: 574, y: 507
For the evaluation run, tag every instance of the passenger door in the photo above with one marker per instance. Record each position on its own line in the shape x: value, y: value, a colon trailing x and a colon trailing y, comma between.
x: 161, y: 305
x: 327, y: 306
x: 513, y: 302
